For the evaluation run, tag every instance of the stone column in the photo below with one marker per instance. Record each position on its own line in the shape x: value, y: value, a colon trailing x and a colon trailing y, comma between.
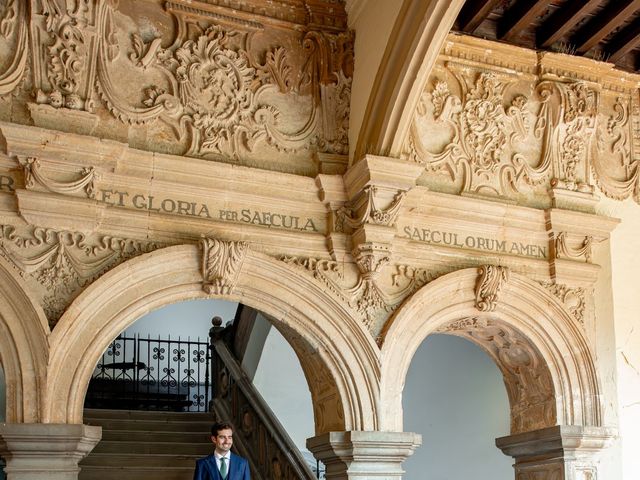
x: 42, y: 451
x: 557, y: 453
x: 359, y: 455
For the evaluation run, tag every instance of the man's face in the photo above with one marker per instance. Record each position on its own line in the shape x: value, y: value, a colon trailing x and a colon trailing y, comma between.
x: 223, y: 440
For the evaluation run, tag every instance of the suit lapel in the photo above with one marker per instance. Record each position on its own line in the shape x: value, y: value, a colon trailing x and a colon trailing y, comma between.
x: 232, y: 467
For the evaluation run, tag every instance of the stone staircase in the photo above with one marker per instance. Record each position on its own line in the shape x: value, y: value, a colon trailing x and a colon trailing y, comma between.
x: 136, y: 445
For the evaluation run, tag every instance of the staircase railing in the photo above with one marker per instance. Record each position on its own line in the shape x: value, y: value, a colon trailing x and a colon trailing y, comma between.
x: 259, y: 437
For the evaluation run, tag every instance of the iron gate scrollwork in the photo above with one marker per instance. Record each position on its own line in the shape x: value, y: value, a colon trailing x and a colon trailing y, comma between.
x: 152, y: 374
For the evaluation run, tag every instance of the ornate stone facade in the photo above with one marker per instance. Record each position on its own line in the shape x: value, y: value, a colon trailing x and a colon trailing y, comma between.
x: 200, y: 150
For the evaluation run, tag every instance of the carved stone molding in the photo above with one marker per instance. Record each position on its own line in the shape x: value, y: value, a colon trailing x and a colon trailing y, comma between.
x: 526, y: 376
x: 61, y: 264
x: 491, y: 279
x: 221, y: 265
x: 34, y: 174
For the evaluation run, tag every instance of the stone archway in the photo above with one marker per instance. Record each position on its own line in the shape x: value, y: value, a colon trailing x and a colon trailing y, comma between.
x: 519, y: 316
x: 546, y: 361
x: 339, y: 354
x: 23, y: 347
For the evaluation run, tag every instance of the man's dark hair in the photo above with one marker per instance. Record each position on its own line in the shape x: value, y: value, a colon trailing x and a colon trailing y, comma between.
x: 216, y: 427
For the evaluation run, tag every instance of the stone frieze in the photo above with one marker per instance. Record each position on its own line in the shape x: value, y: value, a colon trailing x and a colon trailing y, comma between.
x: 491, y: 124
x: 248, y: 84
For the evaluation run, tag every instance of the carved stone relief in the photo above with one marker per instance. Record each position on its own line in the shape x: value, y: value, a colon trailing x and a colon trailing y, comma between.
x: 491, y: 279
x: 573, y: 298
x: 565, y: 249
x: 59, y: 265
x: 221, y: 265
x: 218, y: 86
x: 509, y: 133
x: 34, y: 174
x: 374, y: 291
x: 528, y: 381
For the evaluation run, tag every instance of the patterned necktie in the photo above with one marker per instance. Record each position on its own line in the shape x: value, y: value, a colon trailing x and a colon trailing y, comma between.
x: 223, y: 467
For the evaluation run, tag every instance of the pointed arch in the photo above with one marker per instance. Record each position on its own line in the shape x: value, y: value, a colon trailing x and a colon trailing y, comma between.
x: 340, y: 358
x: 532, y: 318
x: 24, y: 347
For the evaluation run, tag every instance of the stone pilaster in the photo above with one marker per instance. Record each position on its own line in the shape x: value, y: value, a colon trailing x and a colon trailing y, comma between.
x: 360, y: 455
x: 557, y: 453
x: 36, y: 451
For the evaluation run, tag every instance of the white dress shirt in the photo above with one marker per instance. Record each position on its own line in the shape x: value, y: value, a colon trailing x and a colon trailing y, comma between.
x: 228, y: 459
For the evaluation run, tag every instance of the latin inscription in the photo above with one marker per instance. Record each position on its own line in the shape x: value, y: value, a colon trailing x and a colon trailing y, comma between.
x: 438, y: 237
x: 177, y: 206
x: 7, y: 184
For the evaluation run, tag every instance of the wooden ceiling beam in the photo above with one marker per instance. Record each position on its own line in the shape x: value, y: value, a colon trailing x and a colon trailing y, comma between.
x: 474, y: 12
x: 604, y: 24
x: 520, y: 17
x: 561, y: 22
x: 624, y: 42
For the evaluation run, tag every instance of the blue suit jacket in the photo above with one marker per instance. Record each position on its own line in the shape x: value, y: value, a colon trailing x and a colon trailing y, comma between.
x: 207, y: 469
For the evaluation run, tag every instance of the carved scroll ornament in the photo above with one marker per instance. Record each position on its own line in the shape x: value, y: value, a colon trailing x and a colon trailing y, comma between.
x: 489, y: 132
x: 221, y: 265
x: 219, y: 98
x: 491, y: 279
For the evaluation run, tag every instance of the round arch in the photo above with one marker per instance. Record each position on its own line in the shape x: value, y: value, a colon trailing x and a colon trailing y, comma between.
x: 527, y: 323
x: 417, y: 37
x: 24, y: 347
x: 338, y: 355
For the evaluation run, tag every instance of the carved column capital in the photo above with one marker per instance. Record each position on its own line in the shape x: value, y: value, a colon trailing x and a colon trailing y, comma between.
x: 221, y: 265
x: 491, y: 279
x: 37, y: 451
x: 562, y: 452
x: 360, y: 455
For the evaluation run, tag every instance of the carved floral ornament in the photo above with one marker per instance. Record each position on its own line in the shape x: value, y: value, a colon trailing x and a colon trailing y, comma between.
x: 221, y: 265
x: 223, y: 86
x: 502, y: 134
x: 61, y: 264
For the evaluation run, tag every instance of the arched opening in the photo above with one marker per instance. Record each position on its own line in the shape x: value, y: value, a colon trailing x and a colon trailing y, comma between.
x: 537, y: 344
x: 539, y: 347
x: 165, y: 372
x: 327, y: 340
x: 455, y: 398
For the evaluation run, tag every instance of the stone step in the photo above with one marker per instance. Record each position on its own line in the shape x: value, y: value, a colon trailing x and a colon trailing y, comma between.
x: 162, y: 425
x: 132, y: 460
x: 137, y: 445
x: 135, y: 473
x: 142, y: 448
x: 156, y: 436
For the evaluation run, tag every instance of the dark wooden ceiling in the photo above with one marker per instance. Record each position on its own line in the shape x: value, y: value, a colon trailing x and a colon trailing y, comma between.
x: 607, y: 30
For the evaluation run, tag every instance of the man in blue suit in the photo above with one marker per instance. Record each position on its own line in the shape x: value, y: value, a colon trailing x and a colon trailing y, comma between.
x: 222, y: 464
